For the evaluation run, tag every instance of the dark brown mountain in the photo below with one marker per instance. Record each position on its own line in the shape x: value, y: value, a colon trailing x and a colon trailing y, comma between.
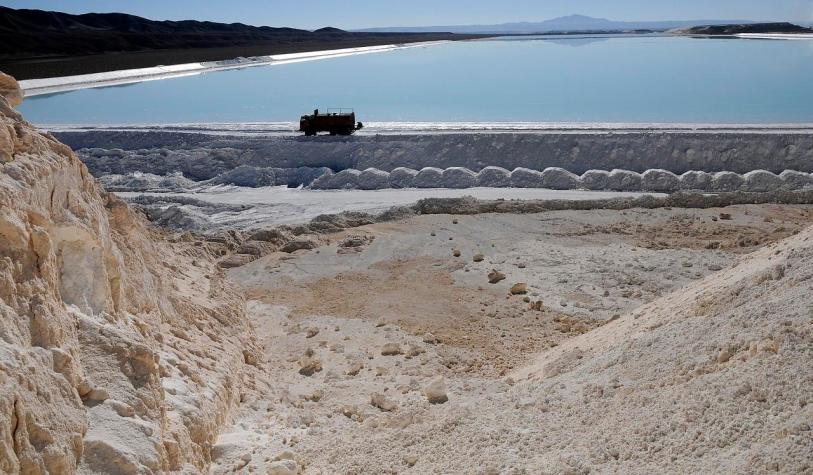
x: 36, y: 43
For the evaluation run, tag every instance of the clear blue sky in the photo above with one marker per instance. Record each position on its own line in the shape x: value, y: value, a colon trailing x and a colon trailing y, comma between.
x: 369, y: 13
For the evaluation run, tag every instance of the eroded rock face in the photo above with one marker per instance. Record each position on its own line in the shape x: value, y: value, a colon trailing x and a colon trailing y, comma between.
x: 112, y: 343
x: 10, y: 90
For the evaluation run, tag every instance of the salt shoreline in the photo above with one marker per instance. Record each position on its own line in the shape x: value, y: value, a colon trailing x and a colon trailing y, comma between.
x: 399, y: 128
x: 37, y: 87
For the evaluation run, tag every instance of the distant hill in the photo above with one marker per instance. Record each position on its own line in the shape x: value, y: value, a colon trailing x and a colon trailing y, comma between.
x: 567, y: 24
x: 36, y: 33
x: 40, y: 44
x: 749, y: 28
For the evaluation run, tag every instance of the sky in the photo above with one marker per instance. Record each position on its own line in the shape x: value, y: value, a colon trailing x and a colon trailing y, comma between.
x: 350, y: 14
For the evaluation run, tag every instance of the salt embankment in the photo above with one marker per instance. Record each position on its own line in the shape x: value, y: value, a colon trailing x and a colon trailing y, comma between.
x: 202, y: 156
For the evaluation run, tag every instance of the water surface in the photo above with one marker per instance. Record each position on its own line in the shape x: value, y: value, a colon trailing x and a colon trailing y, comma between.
x: 540, y: 79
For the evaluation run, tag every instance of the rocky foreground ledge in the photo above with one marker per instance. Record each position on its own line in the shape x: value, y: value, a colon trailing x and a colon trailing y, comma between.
x: 119, y: 351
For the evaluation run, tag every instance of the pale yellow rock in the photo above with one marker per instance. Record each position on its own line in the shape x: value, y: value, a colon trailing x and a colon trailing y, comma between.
x: 382, y: 402
x: 519, y: 288
x: 435, y: 391
x: 87, y: 293
x: 391, y: 349
x: 495, y: 276
x: 10, y: 90
x: 283, y: 467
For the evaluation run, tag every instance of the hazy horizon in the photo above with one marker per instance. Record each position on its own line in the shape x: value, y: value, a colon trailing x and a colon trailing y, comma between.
x: 358, y: 14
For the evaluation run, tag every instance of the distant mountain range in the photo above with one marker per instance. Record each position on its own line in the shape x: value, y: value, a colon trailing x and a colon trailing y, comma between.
x: 79, y: 44
x: 32, y: 33
x: 572, y: 23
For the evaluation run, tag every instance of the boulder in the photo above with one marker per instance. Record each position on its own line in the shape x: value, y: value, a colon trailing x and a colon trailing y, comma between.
x: 436, y: 392
x: 373, y: 179
x: 382, y: 402
x: 761, y: 181
x: 299, y: 244
x: 459, y: 177
x: 527, y: 178
x: 520, y: 288
x: 557, y: 178
x: 624, y: 180
x: 273, y: 236
x: 495, y: 276
x: 308, y: 366
x: 344, y: 180
x: 10, y: 90
x: 428, y: 177
x: 402, y: 177
x: 391, y: 349
x: 595, y: 179
x: 323, y: 182
x: 659, y: 181
x: 283, y: 467
x: 245, y: 175
x: 726, y: 181
x: 299, y: 176
x: 494, y: 177
x: 696, y: 180
x: 794, y: 180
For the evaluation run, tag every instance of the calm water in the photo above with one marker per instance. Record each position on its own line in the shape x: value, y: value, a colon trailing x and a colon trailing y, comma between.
x: 640, y: 79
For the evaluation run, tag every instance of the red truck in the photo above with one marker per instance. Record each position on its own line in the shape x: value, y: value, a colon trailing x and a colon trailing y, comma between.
x: 335, y: 121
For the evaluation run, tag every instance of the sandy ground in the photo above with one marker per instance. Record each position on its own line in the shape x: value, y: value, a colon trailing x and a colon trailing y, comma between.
x: 373, y: 319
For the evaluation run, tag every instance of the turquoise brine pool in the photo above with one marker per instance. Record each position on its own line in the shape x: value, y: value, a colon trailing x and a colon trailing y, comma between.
x: 624, y: 79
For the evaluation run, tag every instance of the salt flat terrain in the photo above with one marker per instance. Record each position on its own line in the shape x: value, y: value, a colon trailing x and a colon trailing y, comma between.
x: 222, y: 208
x: 363, y: 330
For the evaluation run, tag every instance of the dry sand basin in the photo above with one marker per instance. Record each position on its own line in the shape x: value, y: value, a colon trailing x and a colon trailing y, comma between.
x: 666, y: 341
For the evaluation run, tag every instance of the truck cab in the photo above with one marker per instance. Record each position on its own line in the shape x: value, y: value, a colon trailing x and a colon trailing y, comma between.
x: 336, y: 121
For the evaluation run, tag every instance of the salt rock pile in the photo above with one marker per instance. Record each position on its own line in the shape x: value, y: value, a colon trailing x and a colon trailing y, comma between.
x: 715, y: 377
x: 120, y: 352
x: 654, y: 180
